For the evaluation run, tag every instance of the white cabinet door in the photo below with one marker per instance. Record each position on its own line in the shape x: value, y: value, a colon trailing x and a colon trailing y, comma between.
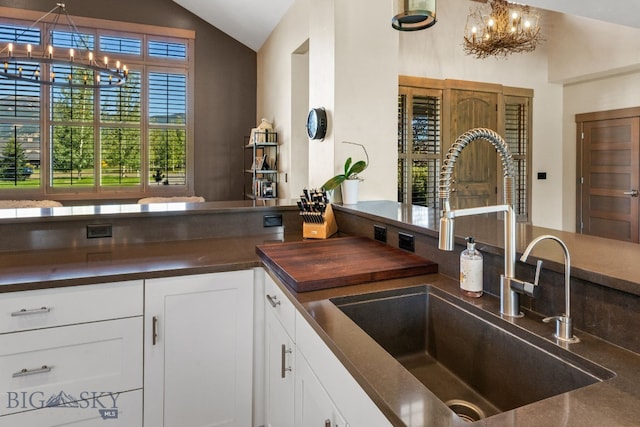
x: 280, y: 356
x: 354, y: 403
x: 314, y: 407
x: 198, y: 350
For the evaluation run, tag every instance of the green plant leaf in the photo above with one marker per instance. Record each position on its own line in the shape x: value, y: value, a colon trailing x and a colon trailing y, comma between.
x: 334, y: 182
x: 356, y: 168
x: 346, y: 166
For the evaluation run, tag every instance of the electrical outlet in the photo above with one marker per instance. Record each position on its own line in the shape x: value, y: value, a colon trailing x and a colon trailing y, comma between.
x: 380, y: 233
x: 272, y: 220
x: 95, y: 231
x: 406, y: 242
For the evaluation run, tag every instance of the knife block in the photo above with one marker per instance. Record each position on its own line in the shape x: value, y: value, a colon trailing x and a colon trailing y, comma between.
x: 328, y: 228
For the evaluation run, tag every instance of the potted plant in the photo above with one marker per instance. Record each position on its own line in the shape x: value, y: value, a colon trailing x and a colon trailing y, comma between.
x: 349, y: 180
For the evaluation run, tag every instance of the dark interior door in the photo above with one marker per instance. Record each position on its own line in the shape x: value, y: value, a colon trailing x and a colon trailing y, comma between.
x: 609, y: 178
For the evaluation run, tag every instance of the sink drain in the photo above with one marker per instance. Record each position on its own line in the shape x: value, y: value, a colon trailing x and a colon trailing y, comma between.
x: 466, y: 410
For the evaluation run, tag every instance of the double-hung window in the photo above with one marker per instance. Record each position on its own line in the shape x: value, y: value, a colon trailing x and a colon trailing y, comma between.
x: 128, y: 140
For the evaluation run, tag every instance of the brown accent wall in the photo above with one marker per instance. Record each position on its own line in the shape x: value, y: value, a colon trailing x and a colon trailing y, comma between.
x: 225, y: 85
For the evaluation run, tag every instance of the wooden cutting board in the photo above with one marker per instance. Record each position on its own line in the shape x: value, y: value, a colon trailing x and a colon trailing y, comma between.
x: 320, y: 264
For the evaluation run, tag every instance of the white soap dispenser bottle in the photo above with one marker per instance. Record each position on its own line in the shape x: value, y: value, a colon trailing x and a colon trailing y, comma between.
x: 471, y: 270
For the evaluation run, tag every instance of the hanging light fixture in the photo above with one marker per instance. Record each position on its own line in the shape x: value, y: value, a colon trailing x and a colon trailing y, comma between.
x: 38, y: 63
x: 413, y: 15
x: 501, y: 29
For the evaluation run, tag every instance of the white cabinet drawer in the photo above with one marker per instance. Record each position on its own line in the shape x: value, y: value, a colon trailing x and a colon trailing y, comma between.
x: 20, y: 311
x: 277, y: 302
x: 124, y: 410
x: 69, y: 363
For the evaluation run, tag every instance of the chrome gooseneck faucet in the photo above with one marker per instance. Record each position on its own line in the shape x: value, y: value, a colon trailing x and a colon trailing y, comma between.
x: 564, y: 324
x: 509, y: 298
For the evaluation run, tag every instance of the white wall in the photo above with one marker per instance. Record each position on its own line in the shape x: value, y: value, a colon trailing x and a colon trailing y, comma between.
x: 600, y: 65
x: 276, y: 86
x: 366, y: 94
x: 352, y: 74
x: 585, y: 48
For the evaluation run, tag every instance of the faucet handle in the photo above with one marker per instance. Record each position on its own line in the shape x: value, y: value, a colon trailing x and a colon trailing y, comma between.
x: 537, y: 276
x: 527, y: 288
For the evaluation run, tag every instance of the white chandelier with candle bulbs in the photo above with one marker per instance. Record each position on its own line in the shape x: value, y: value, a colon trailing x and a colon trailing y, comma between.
x: 36, y: 63
x: 500, y: 28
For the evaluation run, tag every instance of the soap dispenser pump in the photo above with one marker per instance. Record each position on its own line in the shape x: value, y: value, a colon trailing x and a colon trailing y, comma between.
x: 471, y: 270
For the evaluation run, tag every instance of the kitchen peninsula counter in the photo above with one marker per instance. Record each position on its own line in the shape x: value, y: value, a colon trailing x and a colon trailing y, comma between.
x: 50, y: 247
x: 69, y: 267
x: 613, y: 402
x: 608, y: 262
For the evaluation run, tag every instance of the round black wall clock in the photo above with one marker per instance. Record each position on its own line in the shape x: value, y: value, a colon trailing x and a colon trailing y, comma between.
x: 317, y: 123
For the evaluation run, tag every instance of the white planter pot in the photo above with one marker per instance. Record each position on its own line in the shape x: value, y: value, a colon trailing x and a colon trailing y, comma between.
x: 350, y: 191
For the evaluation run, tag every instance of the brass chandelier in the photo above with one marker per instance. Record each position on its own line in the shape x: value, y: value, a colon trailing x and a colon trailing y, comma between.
x: 501, y: 29
x: 20, y: 60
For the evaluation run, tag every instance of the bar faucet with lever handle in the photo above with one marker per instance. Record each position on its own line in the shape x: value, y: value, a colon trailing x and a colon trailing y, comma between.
x: 564, y: 323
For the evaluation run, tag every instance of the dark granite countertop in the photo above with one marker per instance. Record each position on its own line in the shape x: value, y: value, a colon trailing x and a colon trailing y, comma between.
x: 124, y: 210
x: 78, y: 266
x: 406, y: 402
x: 608, y: 262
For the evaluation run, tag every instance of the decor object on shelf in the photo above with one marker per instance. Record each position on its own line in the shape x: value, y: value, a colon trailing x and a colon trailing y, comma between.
x: 317, y: 123
x: 413, y: 15
x: 350, y: 179
x: 500, y: 28
x: 259, y: 132
x: 39, y: 63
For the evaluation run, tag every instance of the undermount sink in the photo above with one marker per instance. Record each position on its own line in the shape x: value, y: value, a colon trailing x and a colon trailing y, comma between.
x: 475, y: 362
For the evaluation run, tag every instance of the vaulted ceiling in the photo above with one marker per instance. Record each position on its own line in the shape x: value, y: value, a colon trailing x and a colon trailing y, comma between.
x: 251, y: 21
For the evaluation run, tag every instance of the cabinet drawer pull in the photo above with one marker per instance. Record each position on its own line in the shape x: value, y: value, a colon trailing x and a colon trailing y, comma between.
x: 24, y: 372
x: 154, y: 330
x: 25, y: 311
x: 327, y: 423
x: 273, y: 300
x: 284, y: 369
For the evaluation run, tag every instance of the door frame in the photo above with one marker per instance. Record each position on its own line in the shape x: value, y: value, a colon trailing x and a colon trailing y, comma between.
x: 580, y: 119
